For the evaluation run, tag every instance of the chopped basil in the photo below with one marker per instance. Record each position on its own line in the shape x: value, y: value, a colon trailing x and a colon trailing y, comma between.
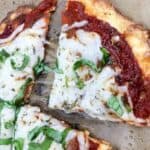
x: 64, y: 135
x: 45, y: 145
x: 33, y: 134
x: 83, y: 62
x: 48, y: 132
x: 3, y: 55
x: 105, y: 55
x: 19, y: 97
x: 20, y: 67
x: 53, y: 134
x: 18, y: 144
x: 9, y: 124
x: 114, y: 104
x: 7, y: 141
x: 80, y: 83
x: 42, y: 67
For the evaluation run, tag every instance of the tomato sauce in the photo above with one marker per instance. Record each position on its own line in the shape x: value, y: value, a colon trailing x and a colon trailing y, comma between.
x: 93, y: 145
x: 29, y: 19
x: 121, y: 55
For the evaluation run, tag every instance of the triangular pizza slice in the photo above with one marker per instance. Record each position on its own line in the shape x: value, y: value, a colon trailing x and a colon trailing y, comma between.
x: 105, y: 64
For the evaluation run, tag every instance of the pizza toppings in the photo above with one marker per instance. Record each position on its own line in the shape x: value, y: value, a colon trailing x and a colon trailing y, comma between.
x: 35, y: 130
x: 120, y: 53
x: 15, y: 62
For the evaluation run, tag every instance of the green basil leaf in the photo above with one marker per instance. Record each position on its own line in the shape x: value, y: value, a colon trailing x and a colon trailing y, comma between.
x: 18, y: 144
x: 45, y: 145
x: 7, y: 141
x: 21, y: 67
x: 80, y: 83
x: 83, y: 62
x: 64, y: 135
x: 3, y: 55
x: 42, y: 67
x: 9, y: 124
x: 20, y: 96
x: 114, y: 104
x: 53, y: 134
x: 1, y: 105
x: 33, y: 134
x: 105, y: 55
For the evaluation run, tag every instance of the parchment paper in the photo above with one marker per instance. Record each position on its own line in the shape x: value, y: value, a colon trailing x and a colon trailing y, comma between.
x: 121, y: 136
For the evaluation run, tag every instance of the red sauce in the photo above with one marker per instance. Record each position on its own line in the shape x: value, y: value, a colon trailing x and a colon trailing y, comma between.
x: 93, y: 145
x: 29, y: 19
x: 121, y: 55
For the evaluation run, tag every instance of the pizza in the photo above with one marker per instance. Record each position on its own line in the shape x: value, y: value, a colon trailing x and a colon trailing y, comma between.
x: 23, y: 35
x: 36, y: 130
x: 105, y: 60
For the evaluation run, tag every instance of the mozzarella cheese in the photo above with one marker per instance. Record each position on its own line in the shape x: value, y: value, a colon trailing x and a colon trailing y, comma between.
x: 7, y: 115
x: 98, y: 89
x: 29, y: 42
x: 31, y: 117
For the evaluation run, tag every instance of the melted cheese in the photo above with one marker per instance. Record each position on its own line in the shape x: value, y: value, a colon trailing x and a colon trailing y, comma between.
x: 7, y: 114
x: 92, y: 99
x: 31, y: 117
x: 29, y: 42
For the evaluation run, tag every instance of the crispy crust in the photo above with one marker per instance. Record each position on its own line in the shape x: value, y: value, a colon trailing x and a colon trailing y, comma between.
x: 137, y: 37
x: 23, y: 10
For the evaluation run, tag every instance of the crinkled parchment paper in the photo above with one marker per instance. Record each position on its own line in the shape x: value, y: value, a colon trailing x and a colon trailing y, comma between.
x: 122, y: 137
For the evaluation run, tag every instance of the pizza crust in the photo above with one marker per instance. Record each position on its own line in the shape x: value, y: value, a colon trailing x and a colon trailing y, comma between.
x: 137, y: 37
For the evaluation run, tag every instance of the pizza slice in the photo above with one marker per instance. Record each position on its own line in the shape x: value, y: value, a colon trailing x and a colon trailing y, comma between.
x: 22, y: 47
x: 105, y: 59
x: 22, y: 39
x: 36, y: 130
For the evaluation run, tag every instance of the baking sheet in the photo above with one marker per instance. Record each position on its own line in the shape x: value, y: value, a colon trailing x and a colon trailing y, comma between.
x: 122, y: 137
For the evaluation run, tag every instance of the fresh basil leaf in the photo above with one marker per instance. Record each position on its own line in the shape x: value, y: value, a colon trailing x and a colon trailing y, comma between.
x: 114, y: 104
x: 53, y: 134
x: 42, y: 67
x: 3, y: 55
x: 45, y: 145
x: 7, y: 141
x: 9, y: 124
x: 1, y: 105
x: 105, y: 55
x: 33, y: 134
x: 18, y: 144
x: 21, y: 67
x: 83, y: 62
x: 80, y: 83
x: 20, y: 96
x: 64, y: 135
